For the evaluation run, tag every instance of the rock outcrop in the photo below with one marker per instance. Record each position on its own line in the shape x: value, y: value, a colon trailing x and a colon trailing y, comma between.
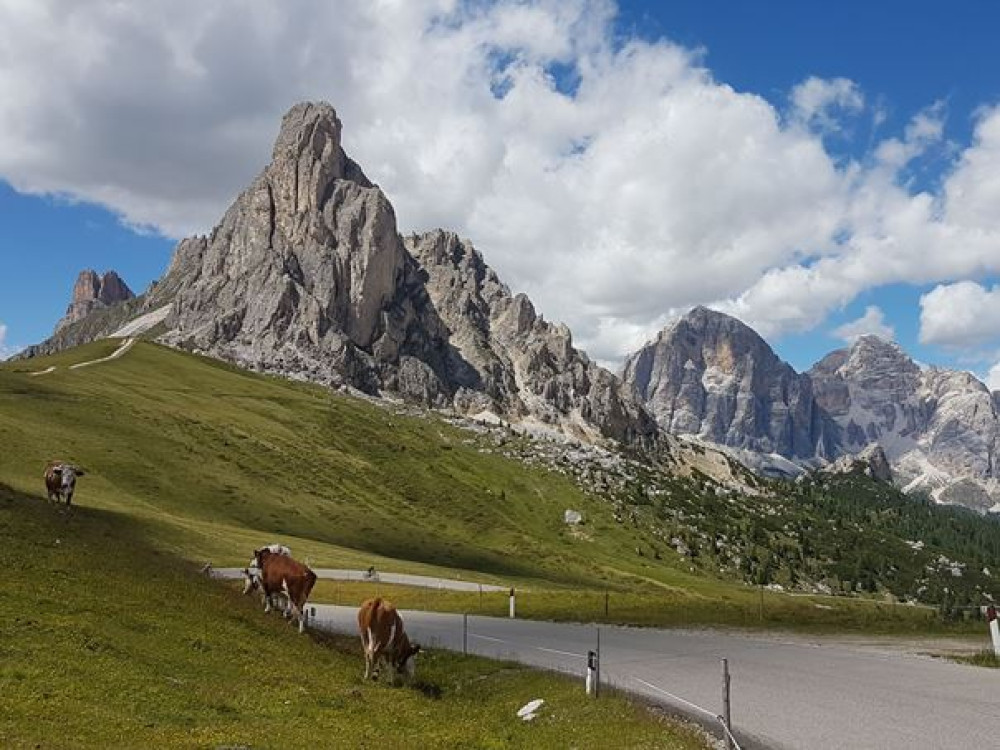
x: 868, y: 407
x: 92, y: 292
x: 871, y: 461
x: 307, y: 276
x: 711, y: 376
x: 939, y: 428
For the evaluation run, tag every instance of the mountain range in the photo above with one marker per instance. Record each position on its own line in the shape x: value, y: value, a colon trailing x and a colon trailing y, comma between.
x: 307, y: 275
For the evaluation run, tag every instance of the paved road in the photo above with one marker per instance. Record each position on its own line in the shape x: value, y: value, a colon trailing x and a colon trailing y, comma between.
x: 338, y: 574
x: 788, y: 692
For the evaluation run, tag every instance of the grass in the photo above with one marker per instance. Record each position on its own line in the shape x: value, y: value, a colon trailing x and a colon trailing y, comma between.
x: 108, y: 641
x: 208, y: 461
x: 984, y: 658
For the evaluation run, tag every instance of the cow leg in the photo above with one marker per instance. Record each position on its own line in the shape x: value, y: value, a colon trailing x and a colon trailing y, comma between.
x: 267, y: 603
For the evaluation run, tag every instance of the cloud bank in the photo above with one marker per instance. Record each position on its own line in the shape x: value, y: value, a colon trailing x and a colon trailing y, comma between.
x: 615, y: 180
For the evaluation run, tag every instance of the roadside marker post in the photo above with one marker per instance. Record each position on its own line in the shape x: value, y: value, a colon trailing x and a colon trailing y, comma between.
x: 726, y: 708
x: 991, y: 617
x: 597, y: 677
x: 512, y: 606
x: 592, y: 673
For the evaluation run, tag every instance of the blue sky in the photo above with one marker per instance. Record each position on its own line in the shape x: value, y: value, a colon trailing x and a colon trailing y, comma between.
x: 903, y: 57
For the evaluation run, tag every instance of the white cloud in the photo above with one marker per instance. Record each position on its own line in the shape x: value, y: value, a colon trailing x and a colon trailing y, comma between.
x: 5, y: 349
x: 817, y: 102
x: 965, y: 315
x: 614, y: 181
x: 993, y: 378
x: 871, y: 323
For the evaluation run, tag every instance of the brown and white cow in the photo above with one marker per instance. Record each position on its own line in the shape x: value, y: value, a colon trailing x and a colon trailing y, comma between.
x: 384, y: 639
x: 281, y: 574
x: 60, y: 481
x: 252, y: 577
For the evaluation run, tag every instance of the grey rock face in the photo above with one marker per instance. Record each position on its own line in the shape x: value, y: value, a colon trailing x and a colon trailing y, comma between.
x: 92, y: 292
x: 508, y: 358
x: 306, y: 275
x: 870, y: 461
x: 868, y: 407
x: 939, y: 428
x: 711, y: 376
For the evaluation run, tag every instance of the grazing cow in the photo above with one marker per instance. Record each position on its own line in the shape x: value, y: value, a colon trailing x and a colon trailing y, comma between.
x: 252, y: 578
x: 281, y: 574
x: 384, y: 639
x: 60, y: 481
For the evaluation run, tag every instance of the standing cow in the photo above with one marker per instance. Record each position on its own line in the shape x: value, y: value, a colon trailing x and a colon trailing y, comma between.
x: 60, y: 481
x: 252, y: 578
x: 281, y: 574
x: 384, y: 639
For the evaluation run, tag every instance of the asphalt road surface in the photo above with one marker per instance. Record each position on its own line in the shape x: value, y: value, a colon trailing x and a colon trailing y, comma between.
x: 405, y: 579
x: 787, y: 691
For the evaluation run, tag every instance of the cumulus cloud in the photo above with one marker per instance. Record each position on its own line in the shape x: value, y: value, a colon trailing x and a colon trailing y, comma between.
x: 871, y: 323
x: 615, y: 180
x: 817, y: 102
x: 960, y: 316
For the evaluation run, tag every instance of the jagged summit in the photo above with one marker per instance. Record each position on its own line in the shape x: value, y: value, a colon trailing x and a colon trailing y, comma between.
x: 710, y: 375
x: 92, y: 292
x: 306, y: 275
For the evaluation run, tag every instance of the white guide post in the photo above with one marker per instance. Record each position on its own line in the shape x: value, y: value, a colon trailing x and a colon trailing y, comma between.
x: 991, y: 617
x: 512, y: 608
x: 591, y: 673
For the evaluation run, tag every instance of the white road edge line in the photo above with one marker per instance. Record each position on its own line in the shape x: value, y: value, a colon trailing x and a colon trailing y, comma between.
x: 689, y: 704
x: 557, y: 651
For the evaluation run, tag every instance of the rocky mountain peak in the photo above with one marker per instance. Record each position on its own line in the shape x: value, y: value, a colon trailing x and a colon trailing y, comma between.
x: 709, y: 374
x: 307, y: 275
x: 91, y: 292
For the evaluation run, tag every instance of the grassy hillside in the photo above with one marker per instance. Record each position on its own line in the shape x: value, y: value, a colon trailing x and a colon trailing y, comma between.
x: 106, y: 641
x: 209, y: 461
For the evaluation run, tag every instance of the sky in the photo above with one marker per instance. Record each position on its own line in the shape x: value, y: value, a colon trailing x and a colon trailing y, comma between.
x: 819, y: 170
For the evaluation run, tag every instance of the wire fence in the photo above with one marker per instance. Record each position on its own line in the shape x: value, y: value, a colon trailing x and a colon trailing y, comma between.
x: 462, y: 633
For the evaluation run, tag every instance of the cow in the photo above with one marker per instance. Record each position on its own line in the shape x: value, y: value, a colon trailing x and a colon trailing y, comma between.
x: 384, y: 639
x: 281, y: 574
x: 252, y: 581
x: 60, y: 481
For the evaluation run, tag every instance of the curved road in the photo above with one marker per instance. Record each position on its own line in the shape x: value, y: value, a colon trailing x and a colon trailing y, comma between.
x: 787, y: 691
x: 404, y: 579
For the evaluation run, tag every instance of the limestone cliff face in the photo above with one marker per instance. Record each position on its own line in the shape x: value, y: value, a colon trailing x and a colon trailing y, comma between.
x: 710, y: 376
x: 517, y: 361
x: 92, y: 292
x: 939, y: 428
x: 306, y: 275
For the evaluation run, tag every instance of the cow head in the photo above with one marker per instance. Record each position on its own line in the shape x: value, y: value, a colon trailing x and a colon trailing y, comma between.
x: 406, y: 660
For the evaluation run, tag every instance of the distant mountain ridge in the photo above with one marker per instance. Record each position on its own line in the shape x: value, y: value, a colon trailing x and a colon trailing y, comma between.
x: 307, y: 276
x: 711, y: 377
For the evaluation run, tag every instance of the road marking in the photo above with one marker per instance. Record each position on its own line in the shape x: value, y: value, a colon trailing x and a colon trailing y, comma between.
x: 689, y: 704
x: 563, y: 653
